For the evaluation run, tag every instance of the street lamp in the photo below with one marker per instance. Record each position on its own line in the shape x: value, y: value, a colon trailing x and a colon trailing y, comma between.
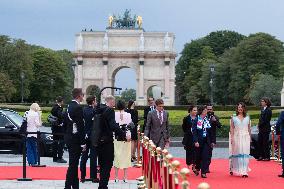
x: 212, y: 69
x: 73, y: 65
x: 22, y: 86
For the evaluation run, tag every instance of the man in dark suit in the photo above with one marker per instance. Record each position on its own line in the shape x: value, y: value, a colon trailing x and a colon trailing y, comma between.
x: 280, y: 131
x: 264, y: 128
x: 149, y: 108
x: 157, y: 127
x: 215, y: 123
x: 88, y: 113
x: 57, y: 131
x: 105, y: 148
x: 74, y: 137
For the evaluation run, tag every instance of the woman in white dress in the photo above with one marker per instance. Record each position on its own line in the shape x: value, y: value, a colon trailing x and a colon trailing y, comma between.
x: 122, y: 149
x: 240, y: 137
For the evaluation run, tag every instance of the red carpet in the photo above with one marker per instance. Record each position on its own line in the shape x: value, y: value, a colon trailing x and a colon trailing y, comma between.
x: 262, y: 176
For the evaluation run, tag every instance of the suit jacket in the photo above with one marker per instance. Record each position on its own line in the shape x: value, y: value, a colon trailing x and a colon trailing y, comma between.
x: 155, y: 130
x: 187, y: 125
x: 57, y: 111
x: 88, y: 114
x: 280, y: 125
x: 214, y: 125
x: 109, y: 125
x: 76, y: 114
x: 146, y: 111
x: 198, y: 135
x: 264, y: 120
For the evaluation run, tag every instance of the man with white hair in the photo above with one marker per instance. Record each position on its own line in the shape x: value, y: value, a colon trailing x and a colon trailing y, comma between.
x: 105, y: 148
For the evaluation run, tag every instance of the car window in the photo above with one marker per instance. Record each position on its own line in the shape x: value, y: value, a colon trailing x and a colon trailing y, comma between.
x: 4, y: 121
x: 16, y: 118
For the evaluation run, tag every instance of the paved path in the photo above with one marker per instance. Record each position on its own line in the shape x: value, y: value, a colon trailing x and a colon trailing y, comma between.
x: 50, y: 184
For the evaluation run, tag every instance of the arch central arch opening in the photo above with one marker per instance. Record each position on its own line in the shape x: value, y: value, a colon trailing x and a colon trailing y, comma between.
x: 125, y: 78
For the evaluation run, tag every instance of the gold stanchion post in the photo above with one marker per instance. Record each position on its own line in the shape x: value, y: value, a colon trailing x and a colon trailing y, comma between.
x: 175, y: 166
x: 138, y: 163
x: 272, y: 145
x: 159, y: 162
x: 184, y: 172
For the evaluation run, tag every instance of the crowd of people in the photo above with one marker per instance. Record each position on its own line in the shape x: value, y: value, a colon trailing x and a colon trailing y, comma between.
x: 117, y: 142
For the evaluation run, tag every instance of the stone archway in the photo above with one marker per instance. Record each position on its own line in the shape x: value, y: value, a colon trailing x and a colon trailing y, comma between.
x: 100, y: 55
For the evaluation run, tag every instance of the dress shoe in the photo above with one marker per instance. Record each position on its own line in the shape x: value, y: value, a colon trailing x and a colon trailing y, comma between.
x: 82, y: 180
x: 266, y: 159
x: 245, y: 176
x: 282, y: 175
x: 95, y: 180
x: 259, y: 159
x: 55, y: 159
x: 125, y: 181
x: 196, y: 172
x: 61, y: 161
x: 203, y: 176
x: 208, y: 171
x: 116, y: 180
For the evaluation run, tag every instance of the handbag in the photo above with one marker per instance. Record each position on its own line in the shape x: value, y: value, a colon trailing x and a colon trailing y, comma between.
x: 24, y: 125
x: 52, y: 120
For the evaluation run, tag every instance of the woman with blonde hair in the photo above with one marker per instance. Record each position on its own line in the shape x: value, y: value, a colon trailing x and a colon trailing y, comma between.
x: 33, y: 117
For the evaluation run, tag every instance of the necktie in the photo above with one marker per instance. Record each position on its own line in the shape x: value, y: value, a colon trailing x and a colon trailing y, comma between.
x: 160, y: 117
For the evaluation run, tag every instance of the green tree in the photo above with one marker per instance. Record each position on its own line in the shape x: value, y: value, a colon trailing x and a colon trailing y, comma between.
x: 258, y: 54
x: 128, y: 94
x: 266, y: 86
x: 7, y: 88
x: 50, y: 75
x: 15, y: 58
x: 193, y: 64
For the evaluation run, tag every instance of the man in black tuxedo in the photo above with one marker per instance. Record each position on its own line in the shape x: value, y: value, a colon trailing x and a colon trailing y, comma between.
x: 105, y: 148
x: 88, y: 113
x: 215, y: 123
x: 264, y: 128
x: 57, y: 131
x: 151, y: 107
x: 74, y: 137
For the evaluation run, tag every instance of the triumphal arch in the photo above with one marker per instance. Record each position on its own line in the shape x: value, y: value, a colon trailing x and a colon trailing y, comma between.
x: 99, y: 55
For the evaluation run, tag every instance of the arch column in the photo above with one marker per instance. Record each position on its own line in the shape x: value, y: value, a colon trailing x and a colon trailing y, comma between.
x: 80, y: 72
x: 105, y: 77
x: 167, y: 78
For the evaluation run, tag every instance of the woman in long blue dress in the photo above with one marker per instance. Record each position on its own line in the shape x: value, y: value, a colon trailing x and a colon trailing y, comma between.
x: 240, y: 136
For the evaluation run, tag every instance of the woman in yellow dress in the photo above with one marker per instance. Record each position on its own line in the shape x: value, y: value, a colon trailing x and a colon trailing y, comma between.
x: 122, y: 149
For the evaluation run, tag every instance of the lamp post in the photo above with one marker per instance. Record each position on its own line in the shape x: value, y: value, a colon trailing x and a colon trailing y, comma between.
x: 212, y: 69
x: 22, y: 86
x: 51, y: 88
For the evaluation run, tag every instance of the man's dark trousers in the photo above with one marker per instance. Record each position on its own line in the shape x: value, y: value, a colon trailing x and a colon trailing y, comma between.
x: 93, y: 161
x: 106, y: 156
x: 72, y: 172
x: 57, y: 146
x: 263, y: 144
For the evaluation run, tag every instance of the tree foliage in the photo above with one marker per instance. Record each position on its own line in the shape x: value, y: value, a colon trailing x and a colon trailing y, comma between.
x: 129, y: 94
x: 266, y: 86
x: 6, y: 88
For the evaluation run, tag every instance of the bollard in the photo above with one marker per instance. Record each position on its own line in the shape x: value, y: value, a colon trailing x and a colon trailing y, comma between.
x: 138, y: 163
x: 273, y: 145
x: 38, y: 151
x: 184, y: 175
x: 169, y: 175
x: 203, y: 185
x: 175, y: 166
x: 159, y: 167
x: 24, y: 161
x: 165, y: 169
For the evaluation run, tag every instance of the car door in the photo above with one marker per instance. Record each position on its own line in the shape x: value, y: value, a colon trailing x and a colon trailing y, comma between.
x: 9, y: 139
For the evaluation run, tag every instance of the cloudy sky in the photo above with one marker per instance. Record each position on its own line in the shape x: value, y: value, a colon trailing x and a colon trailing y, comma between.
x: 53, y: 23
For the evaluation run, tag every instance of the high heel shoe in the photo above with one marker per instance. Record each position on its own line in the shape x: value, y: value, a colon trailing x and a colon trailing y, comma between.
x: 116, y: 180
x: 125, y: 181
x: 196, y: 172
x: 245, y: 176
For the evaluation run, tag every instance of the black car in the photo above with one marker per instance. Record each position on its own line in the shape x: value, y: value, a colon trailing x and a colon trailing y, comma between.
x: 254, y: 151
x: 11, y: 140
